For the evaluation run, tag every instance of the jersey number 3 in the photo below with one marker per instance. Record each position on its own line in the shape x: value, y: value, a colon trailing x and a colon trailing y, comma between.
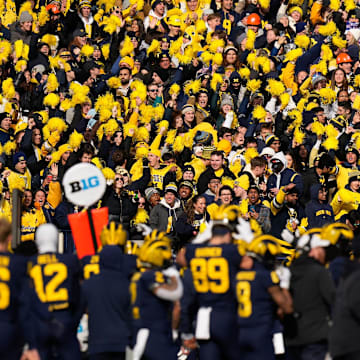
x: 4, y: 288
x: 243, y: 294
x: 210, y: 275
x: 51, y: 292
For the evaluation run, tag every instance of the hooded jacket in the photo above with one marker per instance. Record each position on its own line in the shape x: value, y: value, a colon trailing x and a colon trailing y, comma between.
x: 163, y: 217
x: 285, y: 176
x: 318, y: 214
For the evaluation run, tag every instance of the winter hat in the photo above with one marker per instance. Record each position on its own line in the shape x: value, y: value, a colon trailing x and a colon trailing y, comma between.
x: 227, y: 100
x: 171, y: 187
x: 355, y: 33
x: 25, y: 16
x: 186, y: 108
x: 149, y: 192
x: 19, y: 156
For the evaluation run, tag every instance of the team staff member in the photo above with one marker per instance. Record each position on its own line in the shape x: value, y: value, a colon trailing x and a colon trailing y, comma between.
x: 107, y: 303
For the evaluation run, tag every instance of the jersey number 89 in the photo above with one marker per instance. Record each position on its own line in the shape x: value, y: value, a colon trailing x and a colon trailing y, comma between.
x: 210, y: 275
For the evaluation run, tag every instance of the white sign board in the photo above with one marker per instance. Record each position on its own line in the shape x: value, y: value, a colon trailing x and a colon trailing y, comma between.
x: 84, y: 184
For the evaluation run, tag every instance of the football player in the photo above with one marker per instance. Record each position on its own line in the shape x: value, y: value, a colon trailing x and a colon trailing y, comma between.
x: 258, y: 294
x: 13, y: 300
x: 213, y: 264
x: 56, y: 283
x: 107, y: 303
x: 153, y: 291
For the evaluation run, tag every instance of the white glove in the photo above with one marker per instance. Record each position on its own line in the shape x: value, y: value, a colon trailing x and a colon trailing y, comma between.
x: 229, y: 117
x: 243, y: 231
x: 205, y: 235
x: 287, y: 235
x: 284, y: 275
x: 171, y: 271
x: 143, y: 229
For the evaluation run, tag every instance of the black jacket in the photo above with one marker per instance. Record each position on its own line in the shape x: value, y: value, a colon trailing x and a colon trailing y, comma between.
x: 313, y: 292
x: 204, y: 178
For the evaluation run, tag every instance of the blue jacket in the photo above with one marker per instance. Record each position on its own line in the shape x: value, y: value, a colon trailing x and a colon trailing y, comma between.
x: 318, y: 214
x: 287, y: 176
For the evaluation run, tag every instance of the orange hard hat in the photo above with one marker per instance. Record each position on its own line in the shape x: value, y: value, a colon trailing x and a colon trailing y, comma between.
x: 253, y: 19
x: 343, y: 58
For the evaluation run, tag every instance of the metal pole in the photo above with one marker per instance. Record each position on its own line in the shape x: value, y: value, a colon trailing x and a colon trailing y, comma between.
x: 16, y: 218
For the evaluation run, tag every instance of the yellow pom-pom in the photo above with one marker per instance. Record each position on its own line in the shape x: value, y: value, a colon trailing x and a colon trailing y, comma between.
x: 141, y: 217
x: 75, y: 139
x: 96, y: 161
x: 50, y: 39
x: 331, y: 131
x: 317, y: 128
x: 265, y: 4
x: 216, y: 80
x: 5, y: 51
x: 327, y: 54
x: 43, y: 16
x: 178, y: 145
x: 253, y: 85
x: 142, y: 135
x: 19, y: 65
x: 249, y: 154
x: 245, y: 73
x: 331, y: 143
x: 327, y: 95
x: 87, y: 50
x: 338, y: 42
x: 328, y: 29
x: 259, y: 112
x: 293, y: 55
x: 105, y: 49
x: 250, y: 40
x: 299, y: 136
x: 108, y: 173
x: 52, y: 100
x: 111, y: 127
x: 174, y: 89
x: 349, y: 5
x: 127, y: 47
x: 162, y: 124
x: 170, y: 138
x: 18, y: 47
x: 52, y: 83
x: 335, y: 5
x: 8, y: 88
x: 218, y: 59
x: 356, y: 103
x: 284, y: 99
x: 154, y: 47
x: 56, y: 124
x: 9, y: 147
x: 275, y: 87
x: 114, y: 82
x: 302, y: 41
x: 66, y: 104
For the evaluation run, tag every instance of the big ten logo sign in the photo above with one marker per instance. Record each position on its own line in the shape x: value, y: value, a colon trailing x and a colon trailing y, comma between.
x: 85, y: 184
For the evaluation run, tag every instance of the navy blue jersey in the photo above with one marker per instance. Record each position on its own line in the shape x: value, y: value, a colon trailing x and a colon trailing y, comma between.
x: 56, y: 280
x: 212, y: 268
x: 108, y: 303
x: 255, y: 305
x: 91, y: 264
x: 148, y: 310
x: 12, y: 275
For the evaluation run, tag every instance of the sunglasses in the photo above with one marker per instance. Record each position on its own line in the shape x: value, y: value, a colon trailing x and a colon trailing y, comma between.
x: 153, y: 90
x: 118, y: 179
x: 141, y: 203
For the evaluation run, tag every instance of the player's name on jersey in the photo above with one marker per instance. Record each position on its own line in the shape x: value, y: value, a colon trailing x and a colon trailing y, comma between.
x: 208, y: 252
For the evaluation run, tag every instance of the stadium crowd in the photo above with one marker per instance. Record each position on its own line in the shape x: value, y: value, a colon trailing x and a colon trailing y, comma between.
x: 228, y: 134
